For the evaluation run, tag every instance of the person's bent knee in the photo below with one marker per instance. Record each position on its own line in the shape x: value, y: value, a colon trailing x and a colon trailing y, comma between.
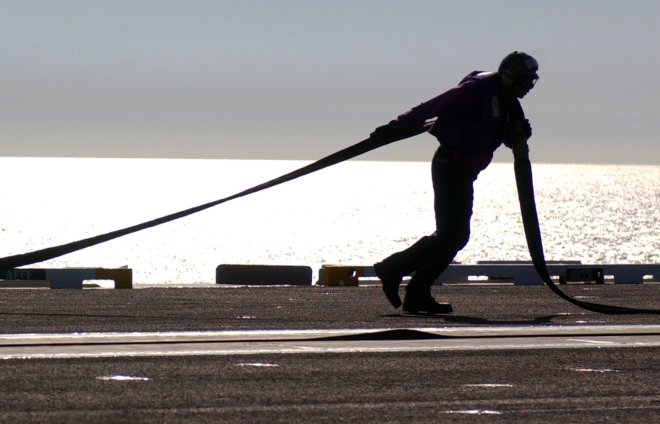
x: 448, y: 241
x: 459, y: 240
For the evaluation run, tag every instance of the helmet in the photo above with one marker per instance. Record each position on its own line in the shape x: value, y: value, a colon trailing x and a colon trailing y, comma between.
x: 521, y: 68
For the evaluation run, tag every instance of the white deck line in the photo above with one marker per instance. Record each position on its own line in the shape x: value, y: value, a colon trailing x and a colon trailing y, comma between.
x: 105, y: 345
x: 270, y: 335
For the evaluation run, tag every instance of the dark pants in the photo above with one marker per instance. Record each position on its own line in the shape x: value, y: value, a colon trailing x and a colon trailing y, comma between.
x: 432, y: 254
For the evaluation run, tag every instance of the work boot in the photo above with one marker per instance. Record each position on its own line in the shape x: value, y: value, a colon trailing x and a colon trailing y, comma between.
x: 416, y: 304
x: 391, y: 280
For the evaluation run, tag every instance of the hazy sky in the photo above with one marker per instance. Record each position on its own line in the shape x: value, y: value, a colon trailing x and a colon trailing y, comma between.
x: 298, y: 79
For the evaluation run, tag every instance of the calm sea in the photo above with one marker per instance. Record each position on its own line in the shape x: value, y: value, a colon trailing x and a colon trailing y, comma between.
x: 352, y: 213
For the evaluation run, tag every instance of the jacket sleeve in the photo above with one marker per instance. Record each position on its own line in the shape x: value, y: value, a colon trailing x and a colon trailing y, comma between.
x: 463, y: 99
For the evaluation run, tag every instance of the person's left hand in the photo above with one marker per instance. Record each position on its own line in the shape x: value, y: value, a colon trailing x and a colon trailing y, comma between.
x: 521, y: 129
x: 520, y: 148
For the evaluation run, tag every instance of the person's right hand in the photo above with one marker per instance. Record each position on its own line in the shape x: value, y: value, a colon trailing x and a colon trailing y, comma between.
x: 386, y: 131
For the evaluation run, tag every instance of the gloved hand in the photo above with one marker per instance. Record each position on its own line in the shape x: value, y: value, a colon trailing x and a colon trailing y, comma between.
x: 520, y: 148
x: 388, y: 131
x: 519, y: 132
x: 521, y: 129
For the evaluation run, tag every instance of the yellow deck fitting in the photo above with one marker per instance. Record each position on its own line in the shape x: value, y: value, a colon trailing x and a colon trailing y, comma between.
x: 341, y: 275
x: 68, y: 278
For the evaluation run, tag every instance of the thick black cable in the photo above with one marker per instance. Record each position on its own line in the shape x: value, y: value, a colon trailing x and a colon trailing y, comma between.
x: 524, y: 183
x: 362, y: 147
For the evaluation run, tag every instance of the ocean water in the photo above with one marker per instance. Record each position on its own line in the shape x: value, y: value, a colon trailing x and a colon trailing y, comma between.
x: 353, y: 213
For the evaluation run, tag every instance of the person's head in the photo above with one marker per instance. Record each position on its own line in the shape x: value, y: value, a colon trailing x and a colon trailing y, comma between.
x: 518, y: 73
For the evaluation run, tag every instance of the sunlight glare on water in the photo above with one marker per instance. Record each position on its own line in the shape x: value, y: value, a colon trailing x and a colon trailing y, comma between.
x: 353, y: 213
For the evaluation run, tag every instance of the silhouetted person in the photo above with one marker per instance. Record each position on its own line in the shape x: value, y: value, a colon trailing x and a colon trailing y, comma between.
x: 472, y: 120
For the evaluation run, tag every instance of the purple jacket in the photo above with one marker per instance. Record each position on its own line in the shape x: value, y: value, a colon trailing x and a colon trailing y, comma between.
x: 472, y: 120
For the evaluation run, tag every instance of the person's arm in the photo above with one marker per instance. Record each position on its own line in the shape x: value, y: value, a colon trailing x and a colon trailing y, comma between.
x: 465, y: 98
x: 519, y: 132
